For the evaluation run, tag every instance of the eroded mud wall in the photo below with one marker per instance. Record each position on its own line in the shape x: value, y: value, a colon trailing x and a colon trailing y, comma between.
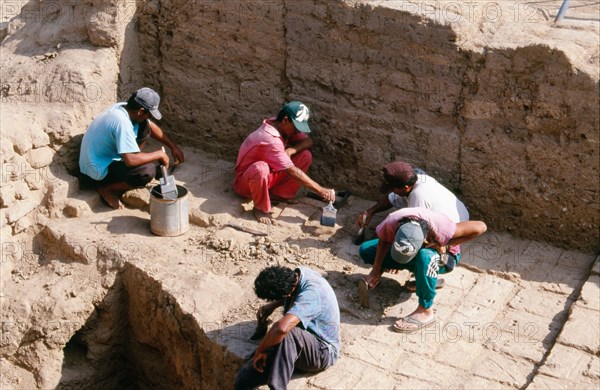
x: 220, y: 66
x: 168, y: 346
x: 513, y: 132
x: 530, y: 147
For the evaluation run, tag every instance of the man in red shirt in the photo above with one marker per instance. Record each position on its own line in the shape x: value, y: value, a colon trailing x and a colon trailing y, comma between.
x: 273, y: 160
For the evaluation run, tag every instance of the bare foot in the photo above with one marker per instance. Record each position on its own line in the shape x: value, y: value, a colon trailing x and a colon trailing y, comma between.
x: 261, y: 216
x: 110, y: 198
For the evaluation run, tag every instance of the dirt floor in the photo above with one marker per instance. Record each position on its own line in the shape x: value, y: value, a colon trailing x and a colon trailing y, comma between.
x: 511, y: 316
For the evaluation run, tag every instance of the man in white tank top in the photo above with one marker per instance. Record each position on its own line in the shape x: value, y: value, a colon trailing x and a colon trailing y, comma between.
x: 412, y: 187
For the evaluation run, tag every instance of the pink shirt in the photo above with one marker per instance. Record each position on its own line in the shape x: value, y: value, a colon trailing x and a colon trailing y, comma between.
x: 441, y: 228
x: 265, y: 144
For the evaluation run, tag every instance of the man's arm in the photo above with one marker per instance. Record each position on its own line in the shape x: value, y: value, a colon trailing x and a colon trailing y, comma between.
x: 375, y: 274
x: 159, y: 135
x: 382, y: 205
x: 265, y: 311
x: 306, y: 143
x: 140, y: 158
x: 274, y: 336
x: 325, y: 193
x: 466, y: 231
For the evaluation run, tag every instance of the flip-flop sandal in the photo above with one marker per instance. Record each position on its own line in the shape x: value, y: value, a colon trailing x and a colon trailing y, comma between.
x: 412, y: 285
x: 412, y: 321
x: 363, y: 293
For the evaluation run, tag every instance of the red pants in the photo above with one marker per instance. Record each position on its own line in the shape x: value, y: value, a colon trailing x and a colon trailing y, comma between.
x: 258, y: 182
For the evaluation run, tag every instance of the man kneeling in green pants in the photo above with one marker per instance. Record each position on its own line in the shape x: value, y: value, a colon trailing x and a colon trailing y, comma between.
x: 416, y: 239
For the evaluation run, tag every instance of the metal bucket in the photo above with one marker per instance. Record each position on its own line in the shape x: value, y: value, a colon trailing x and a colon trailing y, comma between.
x: 169, y: 217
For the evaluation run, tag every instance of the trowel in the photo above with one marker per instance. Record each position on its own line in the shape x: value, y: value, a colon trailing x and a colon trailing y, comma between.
x: 168, y: 188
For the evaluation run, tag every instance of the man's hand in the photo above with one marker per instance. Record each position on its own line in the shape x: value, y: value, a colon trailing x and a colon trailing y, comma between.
x: 364, y: 219
x: 164, y: 158
x: 373, y: 278
x: 264, y: 312
x: 259, y: 360
x: 177, y: 154
x: 441, y: 249
x: 290, y: 152
x: 327, y: 194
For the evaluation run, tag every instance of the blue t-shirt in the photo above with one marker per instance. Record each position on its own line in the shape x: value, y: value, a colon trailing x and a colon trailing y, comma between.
x: 108, y: 136
x: 315, y: 304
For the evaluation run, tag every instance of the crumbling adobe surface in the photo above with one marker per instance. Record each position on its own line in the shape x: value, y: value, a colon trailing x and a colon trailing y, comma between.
x: 490, y: 97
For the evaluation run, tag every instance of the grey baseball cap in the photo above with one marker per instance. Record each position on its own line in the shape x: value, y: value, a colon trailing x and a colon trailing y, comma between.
x: 150, y: 100
x: 409, y: 240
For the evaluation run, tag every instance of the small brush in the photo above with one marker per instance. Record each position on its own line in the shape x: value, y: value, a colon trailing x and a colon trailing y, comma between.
x: 361, y: 232
x: 328, y: 216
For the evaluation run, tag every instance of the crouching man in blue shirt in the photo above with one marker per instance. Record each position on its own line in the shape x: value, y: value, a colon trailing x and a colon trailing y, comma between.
x: 111, y: 160
x: 306, y: 338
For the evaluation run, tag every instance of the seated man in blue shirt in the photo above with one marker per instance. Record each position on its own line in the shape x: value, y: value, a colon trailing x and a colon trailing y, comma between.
x: 110, y: 159
x: 306, y: 338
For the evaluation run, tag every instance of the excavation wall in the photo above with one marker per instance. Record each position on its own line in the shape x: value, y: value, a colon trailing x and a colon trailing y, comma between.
x: 514, y: 131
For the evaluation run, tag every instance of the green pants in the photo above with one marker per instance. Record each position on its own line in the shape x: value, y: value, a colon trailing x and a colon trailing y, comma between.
x: 424, y: 266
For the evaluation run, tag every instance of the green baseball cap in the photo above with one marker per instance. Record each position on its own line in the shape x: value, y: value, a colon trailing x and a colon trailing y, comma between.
x: 299, y: 114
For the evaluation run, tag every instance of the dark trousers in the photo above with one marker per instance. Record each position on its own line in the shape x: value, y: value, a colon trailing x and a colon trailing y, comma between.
x: 299, y: 350
x: 135, y: 177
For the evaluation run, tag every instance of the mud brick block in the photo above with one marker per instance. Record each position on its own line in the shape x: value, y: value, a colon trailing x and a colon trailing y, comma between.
x: 519, y: 345
x: 22, y: 144
x: 563, y: 280
x: 477, y: 382
x: 590, y: 294
x: 20, y: 209
x: 41, y: 157
x: 474, y: 315
x: 523, y: 334
x: 420, y: 367
x: 349, y: 373
x: 504, y: 369
x: 577, y: 260
x: 538, y: 302
x: 448, y: 297
x: 490, y: 291
x: 457, y: 350
x: 375, y: 353
x: 40, y: 139
x: 582, y: 330
x: 7, y: 195
x: 545, y: 382
x: 462, y: 279
x: 566, y: 363
x: 22, y: 224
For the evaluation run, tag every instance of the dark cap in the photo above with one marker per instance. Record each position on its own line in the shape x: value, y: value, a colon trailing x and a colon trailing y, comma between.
x: 397, y: 175
x: 299, y: 114
x: 149, y: 100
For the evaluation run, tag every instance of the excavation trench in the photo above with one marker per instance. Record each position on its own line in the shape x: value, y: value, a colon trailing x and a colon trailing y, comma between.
x: 139, y: 337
